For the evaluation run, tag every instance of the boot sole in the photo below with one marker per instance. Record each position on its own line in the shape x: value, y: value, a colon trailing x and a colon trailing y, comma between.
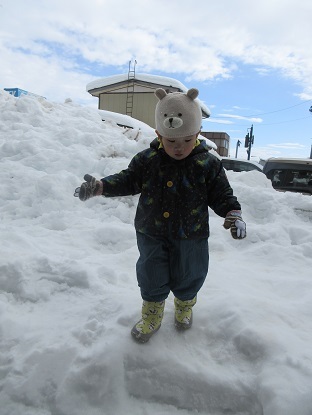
x: 183, y: 326
x: 141, y: 337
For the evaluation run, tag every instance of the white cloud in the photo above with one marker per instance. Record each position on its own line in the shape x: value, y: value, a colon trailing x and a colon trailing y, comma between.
x: 241, y: 117
x: 290, y: 146
x: 218, y: 121
x: 48, y: 77
x: 199, y: 40
x: 292, y: 150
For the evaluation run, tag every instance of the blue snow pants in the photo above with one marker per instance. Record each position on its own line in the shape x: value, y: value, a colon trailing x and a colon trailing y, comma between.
x: 166, y: 264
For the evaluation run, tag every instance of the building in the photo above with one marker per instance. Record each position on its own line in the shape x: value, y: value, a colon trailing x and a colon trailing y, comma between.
x: 133, y: 94
x: 18, y: 92
x: 222, y: 140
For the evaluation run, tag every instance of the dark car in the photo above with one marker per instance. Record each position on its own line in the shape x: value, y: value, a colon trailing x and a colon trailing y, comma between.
x: 294, y: 175
x: 240, y: 164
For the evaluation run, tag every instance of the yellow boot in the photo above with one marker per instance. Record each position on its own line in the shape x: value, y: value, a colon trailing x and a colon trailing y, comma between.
x: 152, y: 315
x: 183, y: 313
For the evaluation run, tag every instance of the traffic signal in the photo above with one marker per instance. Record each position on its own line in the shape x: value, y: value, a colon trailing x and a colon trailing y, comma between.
x: 247, y: 141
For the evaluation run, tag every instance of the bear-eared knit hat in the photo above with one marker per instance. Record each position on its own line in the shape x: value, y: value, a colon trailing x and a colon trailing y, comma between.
x: 177, y: 114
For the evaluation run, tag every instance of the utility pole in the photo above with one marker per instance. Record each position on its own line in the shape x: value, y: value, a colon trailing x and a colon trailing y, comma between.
x: 237, y: 145
x: 311, y: 138
x: 249, y: 140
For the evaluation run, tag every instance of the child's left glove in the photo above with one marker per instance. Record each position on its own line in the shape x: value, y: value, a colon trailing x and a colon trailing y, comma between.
x: 234, y: 221
x: 90, y: 188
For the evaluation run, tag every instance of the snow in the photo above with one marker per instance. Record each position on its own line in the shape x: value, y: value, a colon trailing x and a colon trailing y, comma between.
x: 130, y: 122
x: 155, y: 79
x: 126, y: 121
x: 69, y: 295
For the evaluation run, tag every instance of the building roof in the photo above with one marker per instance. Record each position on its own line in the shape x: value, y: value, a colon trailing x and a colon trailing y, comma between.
x: 156, y: 80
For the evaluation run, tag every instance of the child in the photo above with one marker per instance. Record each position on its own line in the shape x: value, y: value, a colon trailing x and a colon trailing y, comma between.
x: 177, y: 179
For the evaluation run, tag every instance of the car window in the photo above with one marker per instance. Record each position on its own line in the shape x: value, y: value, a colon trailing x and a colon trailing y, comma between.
x: 238, y: 165
x: 291, y: 178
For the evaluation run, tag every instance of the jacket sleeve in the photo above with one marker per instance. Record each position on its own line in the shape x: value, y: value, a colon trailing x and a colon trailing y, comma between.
x: 220, y: 193
x: 127, y: 182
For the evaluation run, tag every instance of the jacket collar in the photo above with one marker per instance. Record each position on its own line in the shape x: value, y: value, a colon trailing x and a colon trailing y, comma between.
x: 200, y: 146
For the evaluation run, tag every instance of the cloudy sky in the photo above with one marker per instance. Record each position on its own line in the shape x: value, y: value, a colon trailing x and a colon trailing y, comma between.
x: 251, y: 61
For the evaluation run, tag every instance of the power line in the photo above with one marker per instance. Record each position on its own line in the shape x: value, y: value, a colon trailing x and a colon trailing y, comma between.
x: 261, y: 124
x: 282, y: 109
x: 270, y: 112
x: 282, y: 122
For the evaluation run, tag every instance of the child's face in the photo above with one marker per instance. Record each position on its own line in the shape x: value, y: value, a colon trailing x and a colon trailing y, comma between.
x: 179, y: 148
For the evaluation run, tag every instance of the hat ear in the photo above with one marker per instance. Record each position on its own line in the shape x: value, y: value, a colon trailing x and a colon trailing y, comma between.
x: 160, y: 93
x: 192, y: 93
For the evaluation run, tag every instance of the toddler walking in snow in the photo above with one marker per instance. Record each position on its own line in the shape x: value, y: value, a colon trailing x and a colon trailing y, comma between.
x: 177, y: 179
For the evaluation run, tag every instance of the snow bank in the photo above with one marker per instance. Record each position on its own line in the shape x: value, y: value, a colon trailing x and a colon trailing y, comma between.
x: 69, y: 295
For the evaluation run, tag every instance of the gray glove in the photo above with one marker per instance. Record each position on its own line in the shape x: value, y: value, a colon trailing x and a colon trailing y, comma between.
x: 90, y: 188
x: 234, y: 221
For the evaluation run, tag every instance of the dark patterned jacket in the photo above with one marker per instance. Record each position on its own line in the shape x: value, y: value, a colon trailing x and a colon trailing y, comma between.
x: 175, y: 194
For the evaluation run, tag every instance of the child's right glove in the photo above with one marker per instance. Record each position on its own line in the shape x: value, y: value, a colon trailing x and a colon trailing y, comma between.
x: 90, y: 188
x: 234, y: 221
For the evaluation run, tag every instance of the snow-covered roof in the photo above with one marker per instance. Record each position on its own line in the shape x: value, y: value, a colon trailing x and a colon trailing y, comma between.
x: 154, y: 79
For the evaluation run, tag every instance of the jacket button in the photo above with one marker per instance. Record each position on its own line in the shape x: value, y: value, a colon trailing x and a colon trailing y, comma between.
x: 166, y: 215
x: 169, y: 183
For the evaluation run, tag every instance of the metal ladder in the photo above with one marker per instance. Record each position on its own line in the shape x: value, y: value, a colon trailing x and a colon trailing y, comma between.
x: 130, y: 89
